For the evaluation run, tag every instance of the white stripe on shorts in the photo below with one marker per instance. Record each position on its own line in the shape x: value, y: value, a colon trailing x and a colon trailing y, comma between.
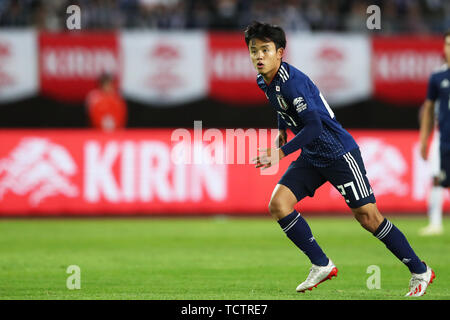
x: 358, y: 181
x: 358, y: 171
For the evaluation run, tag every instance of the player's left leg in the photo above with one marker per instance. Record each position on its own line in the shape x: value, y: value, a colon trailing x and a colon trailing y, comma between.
x: 422, y: 275
x: 348, y: 175
x: 371, y: 219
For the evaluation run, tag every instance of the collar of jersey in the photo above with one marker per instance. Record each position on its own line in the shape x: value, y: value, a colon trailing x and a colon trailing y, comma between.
x: 277, y: 75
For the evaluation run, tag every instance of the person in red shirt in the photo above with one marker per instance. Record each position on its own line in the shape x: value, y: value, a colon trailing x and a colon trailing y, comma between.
x: 105, y: 107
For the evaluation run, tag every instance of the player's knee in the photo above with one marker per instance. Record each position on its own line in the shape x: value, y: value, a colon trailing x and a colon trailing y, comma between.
x: 278, y: 208
x: 368, y: 216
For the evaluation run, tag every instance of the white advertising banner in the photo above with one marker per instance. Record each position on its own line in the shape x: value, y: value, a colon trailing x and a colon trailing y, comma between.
x: 338, y: 64
x: 18, y: 64
x: 164, y: 68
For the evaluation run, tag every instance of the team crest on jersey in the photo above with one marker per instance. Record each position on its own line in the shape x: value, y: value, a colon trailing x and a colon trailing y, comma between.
x: 445, y: 83
x: 283, y: 104
x: 299, y: 104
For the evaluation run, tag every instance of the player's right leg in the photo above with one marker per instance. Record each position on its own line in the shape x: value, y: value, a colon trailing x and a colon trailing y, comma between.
x: 297, y: 182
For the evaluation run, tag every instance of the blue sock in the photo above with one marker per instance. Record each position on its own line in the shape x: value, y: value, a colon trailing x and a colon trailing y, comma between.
x: 397, y: 243
x: 298, y: 231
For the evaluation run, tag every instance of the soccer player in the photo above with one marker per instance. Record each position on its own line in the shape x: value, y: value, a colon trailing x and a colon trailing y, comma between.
x: 438, y: 96
x: 329, y: 153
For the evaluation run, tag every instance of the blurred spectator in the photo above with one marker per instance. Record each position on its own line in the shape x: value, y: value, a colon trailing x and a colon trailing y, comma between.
x: 414, y: 21
x: 198, y: 15
x: 225, y: 14
x: 357, y: 17
x: 407, y: 16
x: 14, y: 13
x: 105, y: 107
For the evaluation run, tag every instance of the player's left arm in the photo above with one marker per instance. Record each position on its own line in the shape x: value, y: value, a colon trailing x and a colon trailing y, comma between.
x: 300, y: 95
x: 312, y: 129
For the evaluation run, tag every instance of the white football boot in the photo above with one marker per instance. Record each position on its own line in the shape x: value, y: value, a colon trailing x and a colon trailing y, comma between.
x: 431, y: 230
x: 419, y: 283
x: 317, y: 275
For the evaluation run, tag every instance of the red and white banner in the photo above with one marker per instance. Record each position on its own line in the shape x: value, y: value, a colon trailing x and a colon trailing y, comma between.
x: 401, y: 67
x: 137, y: 172
x: 175, y: 68
x: 338, y: 64
x: 71, y: 63
x: 164, y: 69
x: 18, y: 65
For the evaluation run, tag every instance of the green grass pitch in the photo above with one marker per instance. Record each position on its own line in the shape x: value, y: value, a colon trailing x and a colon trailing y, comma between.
x: 205, y: 258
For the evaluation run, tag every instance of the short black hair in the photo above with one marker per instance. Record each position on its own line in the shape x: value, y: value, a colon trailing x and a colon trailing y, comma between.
x: 266, y: 32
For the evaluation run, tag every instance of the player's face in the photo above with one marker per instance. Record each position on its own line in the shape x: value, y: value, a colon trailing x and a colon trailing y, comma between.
x: 265, y: 57
x: 447, y: 49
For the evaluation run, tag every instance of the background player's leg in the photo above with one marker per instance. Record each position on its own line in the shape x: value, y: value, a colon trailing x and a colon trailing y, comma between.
x: 281, y: 207
x: 435, y: 196
x: 371, y: 219
x: 435, y: 205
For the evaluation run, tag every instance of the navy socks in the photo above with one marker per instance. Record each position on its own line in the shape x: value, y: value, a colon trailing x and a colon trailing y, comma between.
x: 397, y: 243
x: 298, y: 231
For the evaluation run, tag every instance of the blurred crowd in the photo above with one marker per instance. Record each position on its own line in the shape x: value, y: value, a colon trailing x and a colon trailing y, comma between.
x: 397, y: 16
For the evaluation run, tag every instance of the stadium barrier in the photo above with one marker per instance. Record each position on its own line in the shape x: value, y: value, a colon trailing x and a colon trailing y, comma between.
x: 176, y: 172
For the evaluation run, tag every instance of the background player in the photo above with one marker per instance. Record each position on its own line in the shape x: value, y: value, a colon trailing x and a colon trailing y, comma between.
x: 438, y: 94
x: 106, y: 109
x: 435, y: 196
x: 329, y: 153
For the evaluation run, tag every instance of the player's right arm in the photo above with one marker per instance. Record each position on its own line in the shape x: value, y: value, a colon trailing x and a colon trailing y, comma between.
x: 426, y: 126
x: 281, y: 138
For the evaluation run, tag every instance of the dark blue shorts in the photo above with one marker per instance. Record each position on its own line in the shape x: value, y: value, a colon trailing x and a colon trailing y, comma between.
x: 347, y: 174
x: 444, y: 175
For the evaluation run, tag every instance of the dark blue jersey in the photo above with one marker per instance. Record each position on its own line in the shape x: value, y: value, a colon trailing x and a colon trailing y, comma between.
x: 302, y: 108
x: 439, y: 92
